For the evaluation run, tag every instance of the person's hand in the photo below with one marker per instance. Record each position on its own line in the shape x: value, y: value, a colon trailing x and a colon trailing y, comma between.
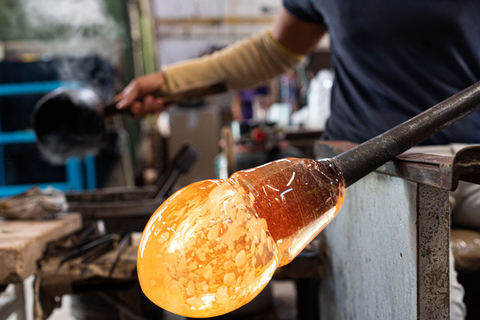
x: 138, y: 95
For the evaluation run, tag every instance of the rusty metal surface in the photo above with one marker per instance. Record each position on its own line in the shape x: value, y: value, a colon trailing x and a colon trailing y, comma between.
x: 433, y: 253
x: 433, y: 170
x: 122, y: 209
x: 114, y: 202
x: 466, y: 165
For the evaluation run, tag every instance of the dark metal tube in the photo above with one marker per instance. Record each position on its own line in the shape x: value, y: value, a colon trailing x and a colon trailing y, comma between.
x: 368, y: 156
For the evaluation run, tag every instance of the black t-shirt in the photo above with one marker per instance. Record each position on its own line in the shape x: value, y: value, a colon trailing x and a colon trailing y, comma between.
x: 393, y: 59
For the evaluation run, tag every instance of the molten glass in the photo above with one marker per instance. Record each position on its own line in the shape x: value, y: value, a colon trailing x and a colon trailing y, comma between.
x: 214, y: 245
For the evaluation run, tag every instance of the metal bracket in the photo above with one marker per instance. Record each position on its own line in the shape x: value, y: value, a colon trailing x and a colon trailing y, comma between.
x: 433, y: 170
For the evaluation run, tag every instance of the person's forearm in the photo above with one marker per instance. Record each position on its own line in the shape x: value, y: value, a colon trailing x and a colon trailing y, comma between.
x: 246, y: 63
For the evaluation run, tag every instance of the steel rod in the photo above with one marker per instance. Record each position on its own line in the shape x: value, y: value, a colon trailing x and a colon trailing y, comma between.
x: 368, y: 156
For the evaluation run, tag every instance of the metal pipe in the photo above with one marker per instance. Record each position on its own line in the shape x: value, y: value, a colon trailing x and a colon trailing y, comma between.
x: 368, y: 156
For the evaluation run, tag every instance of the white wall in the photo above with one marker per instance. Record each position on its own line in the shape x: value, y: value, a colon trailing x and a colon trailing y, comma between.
x: 212, y: 8
x: 179, y: 42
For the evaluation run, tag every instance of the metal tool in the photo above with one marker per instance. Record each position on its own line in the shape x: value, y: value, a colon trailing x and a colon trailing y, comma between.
x: 368, y: 156
x: 122, y: 246
x: 100, y: 249
x: 181, y: 163
x: 70, y: 122
x: 84, y: 248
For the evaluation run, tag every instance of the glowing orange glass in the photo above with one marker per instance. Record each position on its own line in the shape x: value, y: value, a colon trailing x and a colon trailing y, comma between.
x: 214, y: 245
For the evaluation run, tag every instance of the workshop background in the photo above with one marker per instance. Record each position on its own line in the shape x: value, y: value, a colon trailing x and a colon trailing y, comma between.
x: 69, y: 231
x: 102, y: 45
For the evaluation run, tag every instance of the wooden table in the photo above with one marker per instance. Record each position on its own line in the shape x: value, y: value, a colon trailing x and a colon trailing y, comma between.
x: 22, y: 243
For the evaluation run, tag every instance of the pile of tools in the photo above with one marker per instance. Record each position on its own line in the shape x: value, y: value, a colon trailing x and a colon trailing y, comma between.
x: 102, y: 256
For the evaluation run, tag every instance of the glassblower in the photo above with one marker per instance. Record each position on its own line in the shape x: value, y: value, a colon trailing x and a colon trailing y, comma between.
x: 214, y: 245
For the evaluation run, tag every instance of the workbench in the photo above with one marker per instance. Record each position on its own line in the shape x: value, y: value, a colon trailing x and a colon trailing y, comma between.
x: 22, y: 244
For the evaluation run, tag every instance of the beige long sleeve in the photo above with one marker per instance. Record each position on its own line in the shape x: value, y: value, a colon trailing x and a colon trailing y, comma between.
x: 243, y: 64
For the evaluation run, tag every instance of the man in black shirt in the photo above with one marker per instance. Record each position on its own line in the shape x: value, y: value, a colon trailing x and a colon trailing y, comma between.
x: 392, y: 60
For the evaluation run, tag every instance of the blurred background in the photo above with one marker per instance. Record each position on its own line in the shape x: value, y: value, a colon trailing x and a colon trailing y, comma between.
x: 102, y: 45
